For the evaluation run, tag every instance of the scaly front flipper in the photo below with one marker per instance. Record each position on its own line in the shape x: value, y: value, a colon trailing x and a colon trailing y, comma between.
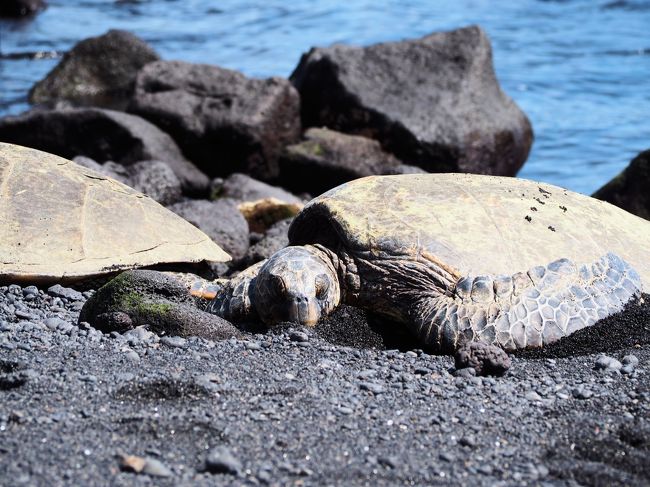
x: 233, y: 300
x: 527, y: 309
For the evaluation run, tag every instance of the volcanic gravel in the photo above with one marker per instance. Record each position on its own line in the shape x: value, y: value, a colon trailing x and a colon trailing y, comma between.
x: 304, y: 407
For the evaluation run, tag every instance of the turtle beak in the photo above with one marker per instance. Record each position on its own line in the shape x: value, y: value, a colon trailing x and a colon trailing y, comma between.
x: 304, y: 311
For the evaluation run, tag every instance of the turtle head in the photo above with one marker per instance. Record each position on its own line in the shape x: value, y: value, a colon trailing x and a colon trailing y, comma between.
x: 297, y: 284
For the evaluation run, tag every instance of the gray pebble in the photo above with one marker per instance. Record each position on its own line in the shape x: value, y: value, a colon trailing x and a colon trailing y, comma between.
x: 156, y: 468
x: 467, y: 441
x: 132, y: 356
x: 177, y: 342
x: 372, y: 387
x: 446, y: 457
x: 53, y: 323
x: 581, y: 393
x: 627, y: 369
x: 605, y: 362
x: 221, y: 460
x: 30, y: 291
x: 533, y: 396
x: 388, y: 461
x: 65, y: 292
x: 465, y: 372
x: 631, y: 360
x: 298, y: 336
x: 25, y: 315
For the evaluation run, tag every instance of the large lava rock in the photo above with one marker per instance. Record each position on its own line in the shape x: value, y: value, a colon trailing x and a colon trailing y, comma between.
x: 327, y: 158
x: 20, y: 8
x: 434, y: 102
x: 101, y: 135
x: 630, y: 190
x: 222, y: 120
x: 97, y: 71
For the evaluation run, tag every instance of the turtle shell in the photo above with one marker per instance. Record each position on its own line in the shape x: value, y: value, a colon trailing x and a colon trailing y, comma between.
x: 63, y: 222
x: 473, y: 224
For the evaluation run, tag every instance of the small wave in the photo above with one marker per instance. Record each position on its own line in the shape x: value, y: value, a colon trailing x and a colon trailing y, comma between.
x: 32, y: 55
x: 628, y: 5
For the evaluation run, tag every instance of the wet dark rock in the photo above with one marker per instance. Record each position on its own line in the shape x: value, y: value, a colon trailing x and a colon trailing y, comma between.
x: 222, y: 120
x: 154, y: 300
x: 242, y: 187
x: 221, y: 220
x: 483, y: 358
x: 103, y: 135
x: 434, y: 102
x: 629, y: 190
x: 327, y: 158
x: 20, y: 8
x: 98, y: 71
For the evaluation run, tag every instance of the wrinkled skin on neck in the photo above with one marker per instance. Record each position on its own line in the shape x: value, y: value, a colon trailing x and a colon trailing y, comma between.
x: 297, y: 284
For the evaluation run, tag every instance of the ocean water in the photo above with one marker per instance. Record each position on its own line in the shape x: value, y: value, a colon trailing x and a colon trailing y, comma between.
x: 580, y: 69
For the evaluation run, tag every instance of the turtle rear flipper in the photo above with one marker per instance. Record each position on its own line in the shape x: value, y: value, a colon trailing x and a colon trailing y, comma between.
x: 528, y: 309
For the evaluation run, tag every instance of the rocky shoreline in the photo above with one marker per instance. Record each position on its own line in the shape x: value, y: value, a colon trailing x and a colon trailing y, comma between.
x: 341, y: 405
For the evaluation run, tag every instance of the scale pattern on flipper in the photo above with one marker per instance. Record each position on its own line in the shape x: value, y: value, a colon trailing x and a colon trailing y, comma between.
x: 529, y: 309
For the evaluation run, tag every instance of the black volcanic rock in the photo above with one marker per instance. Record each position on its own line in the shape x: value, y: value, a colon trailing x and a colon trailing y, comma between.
x: 102, y: 135
x: 434, y: 102
x: 630, y: 190
x: 222, y: 120
x: 327, y: 158
x: 20, y: 8
x: 97, y: 71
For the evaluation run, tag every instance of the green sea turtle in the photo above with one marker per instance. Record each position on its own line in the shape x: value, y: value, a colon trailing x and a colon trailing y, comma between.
x: 61, y: 222
x: 455, y: 257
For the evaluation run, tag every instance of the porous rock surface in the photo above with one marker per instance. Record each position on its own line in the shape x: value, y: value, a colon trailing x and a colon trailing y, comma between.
x: 103, y: 135
x: 221, y: 220
x: 327, y: 158
x: 288, y: 407
x: 434, y: 102
x: 483, y: 358
x: 98, y: 71
x: 222, y: 120
x: 153, y: 178
x: 630, y: 190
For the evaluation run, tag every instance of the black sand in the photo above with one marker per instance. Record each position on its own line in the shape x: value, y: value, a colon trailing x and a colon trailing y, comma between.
x: 291, y: 408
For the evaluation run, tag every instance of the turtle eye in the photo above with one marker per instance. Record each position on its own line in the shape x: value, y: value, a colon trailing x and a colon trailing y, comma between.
x: 278, y: 286
x: 322, y: 286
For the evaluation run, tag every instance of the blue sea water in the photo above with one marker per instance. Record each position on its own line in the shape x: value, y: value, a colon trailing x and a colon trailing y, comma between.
x: 580, y: 69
